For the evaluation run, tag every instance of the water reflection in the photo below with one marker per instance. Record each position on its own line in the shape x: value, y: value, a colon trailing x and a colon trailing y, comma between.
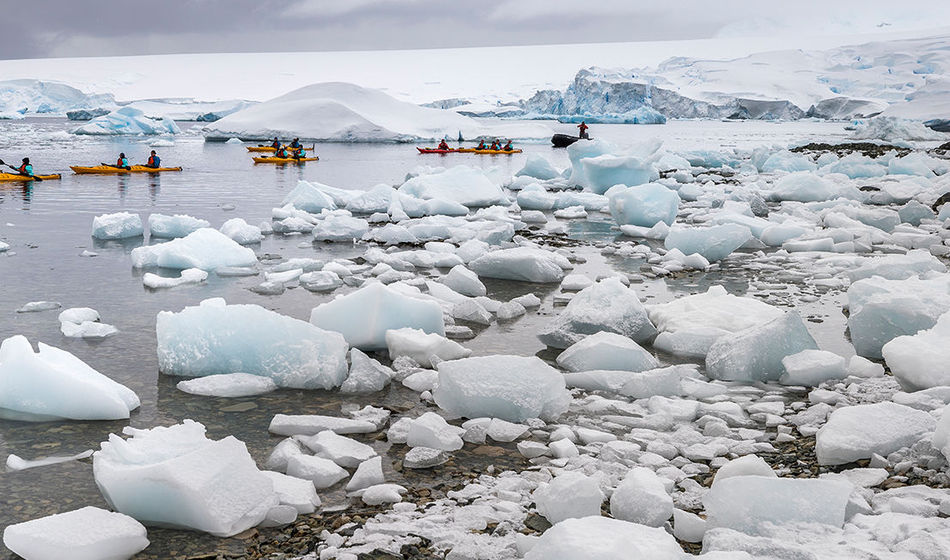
x: 154, y: 186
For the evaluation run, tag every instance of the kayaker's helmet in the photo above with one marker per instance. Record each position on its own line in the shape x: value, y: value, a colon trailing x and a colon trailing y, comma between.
x: 26, y: 160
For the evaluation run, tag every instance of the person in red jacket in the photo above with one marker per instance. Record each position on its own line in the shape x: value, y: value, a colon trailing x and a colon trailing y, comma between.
x: 583, y: 126
x: 154, y: 161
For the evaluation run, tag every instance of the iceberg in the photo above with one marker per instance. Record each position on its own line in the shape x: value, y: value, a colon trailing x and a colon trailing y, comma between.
x: 511, y: 388
x: 120, y: 225
x: 756, y: 353
x: 364, y: 316
x: 643, y: 205
x: 343, y: 112
x: 53, y: 384
x: 465, y: 185
x: 309, y: 198
x: 125, y: 121
x: 205, y: 248
x: 604, y: 171
x: 607, y: 306
x: 88, y: 533
x: 919, y: 361
x: 228, y: 385
x: 714, y: 243
x: 340, y: 228
x: 169, y: 227
x: 215, y: 338
x: 606, y: 351
x: 241, y: 232
x: 524, y: 264
x: 538, y: 167
x: 176, y: 477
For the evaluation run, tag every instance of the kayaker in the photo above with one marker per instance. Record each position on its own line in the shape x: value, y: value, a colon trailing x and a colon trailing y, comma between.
x: 297, y: 152
x: 25, y: 168
x: 122, y: 162
x: 281, y: 153
x: 154, y: 161
x: 275, y: 144
x: 481, y: 145
x: 295, y: 144
x: 583, y: 126
x: 443, y: 145
x: 494, y: 145
x: 508, y: 147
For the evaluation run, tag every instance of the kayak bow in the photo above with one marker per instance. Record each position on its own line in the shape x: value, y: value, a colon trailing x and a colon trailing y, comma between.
x: 13, y: 177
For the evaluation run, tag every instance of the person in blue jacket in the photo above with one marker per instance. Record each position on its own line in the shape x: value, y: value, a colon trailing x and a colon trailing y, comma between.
x: 154, y: 161
x: 122, y: 162
x: 25, y: 168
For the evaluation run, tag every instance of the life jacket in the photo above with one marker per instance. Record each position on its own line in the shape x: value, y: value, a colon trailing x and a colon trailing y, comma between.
x: 275, y: 144
x: 281, y: 153
x: 508, y: 147
x: 122, y: 162
x: 154, y: 161
x: 295, y: 144
x: 25, y: 169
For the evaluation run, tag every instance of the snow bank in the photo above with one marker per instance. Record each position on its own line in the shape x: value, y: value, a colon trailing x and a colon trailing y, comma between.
x: 53, y: 384
x: 342, y: 112
x: 214, y: 338
x: 176, y: 477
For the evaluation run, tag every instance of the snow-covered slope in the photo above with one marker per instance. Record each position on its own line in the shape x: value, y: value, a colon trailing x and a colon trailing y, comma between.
x: 35, y: 96
x: 340, y: 112
x: 843, y: 82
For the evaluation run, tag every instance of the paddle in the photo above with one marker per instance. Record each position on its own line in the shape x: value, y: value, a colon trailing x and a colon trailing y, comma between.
x: 32, y: 177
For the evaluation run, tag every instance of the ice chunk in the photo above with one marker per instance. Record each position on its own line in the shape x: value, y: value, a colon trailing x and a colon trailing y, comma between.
x: 16, y: 463
x: 785, y: 160
x: 35, y: 306
x: 569, y: 495
x: 89, y: 533
x: 776, y: 235
x: 662, y: 381
x: 168, y: 227
x: 53, y: 384
x: 688, y: 527
x: 241, y: 232
x: 323, y: 473
x: 120, y: 225
x: 366, y: 374
x: 606, y: 350
x: 748, y: 465
x: 746, y: 503
x: 856, y: 166
x: 602, y: 538
x: 187, y: 276
x: 539, y: 167
x: 176, y: 477
x: 205, y: 248
x: 912, y: 164
x: 643, y: 205
x: 127, y: 120
x: 920, y: 361
x: 525, y: 264
x: 425, y: 349
x: 755, y: 354
x: 512, y: 388
x: 432, y: 431
x: 309, y: 198
x: 369, y: 473
x: 714, y: 243
x: 228, y: 385
x: 464, y: 281
x: 340, y: 228
x: 803, y: 186
x: 604, y: 171
x: 898, y: 267
x: 310, y: 424
x: 859, y: 366
x: 857, y: 432
x: 383, y: 494
x: 341, y: 450
x: 812, y: 368
x: 364, y: 316
x: 641, y: 498
x: 463, y: 184
x: 214, y: 337
x: 87, y: 329
x: 424, y: 458
x: 295, y: 492
x: 607, y: 306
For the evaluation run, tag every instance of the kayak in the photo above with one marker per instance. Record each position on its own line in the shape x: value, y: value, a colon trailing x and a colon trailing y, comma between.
x: 10, y: 177
x: 109, y: 170
x: 466, y: 150
x: 436, y: 151
x: 270, y: 149
x: 515, y: 151
x: 283, y: 160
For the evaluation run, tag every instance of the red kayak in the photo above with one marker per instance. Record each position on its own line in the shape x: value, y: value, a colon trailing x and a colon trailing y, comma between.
x: 435, y: 151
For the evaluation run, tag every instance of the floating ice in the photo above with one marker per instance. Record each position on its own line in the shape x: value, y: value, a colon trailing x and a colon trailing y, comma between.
x: 214, y: 338
x: 432, y: 431
x: 340, y: 228
x: 310, y: 424
x: 323, y: 473
x: 364, y: 316
x: 295, y: 492
x: 857, y: 166
x: 35, y: 306
x: 176, y: 477
x: 641, y: 498
x: 539, y: 167
x: 188, y: 276
x: 462, y: 184
x: 785, y: 160
x: 812, y: 368
x: 89, y: 533
x: 606, y: 350
x: 168, y: 227
x: 512, y: 388
x: 604, y: 171
x: 120, y: 225
x: 16, y: 463
x: 127, y: 120
x: 87, y: 329
x: 569, y: 495
x: 228, y: 385
x: 857, y: 432
x: 525, y: 264
x: 643, y: 205
x: 309, y: 198
x: 205, y: 248
x: 920, y: 361
x: 602, y: 538
x: 607, y: 306
x: 366, y: 374
x: 464, y: 281
x: 53, y: 384
x: 755, y: 354
x: 241, y: 232
x: 803, y: 187
x: 714, y: 243
x: 746, y: 503
x: 424, y: 348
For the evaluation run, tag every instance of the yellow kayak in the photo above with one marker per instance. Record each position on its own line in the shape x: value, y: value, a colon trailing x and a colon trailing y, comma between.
x: 515, y: 151
x: 284, y: 160
x: 270, y: 149
x: 11, y: 177
x: 110, y: 170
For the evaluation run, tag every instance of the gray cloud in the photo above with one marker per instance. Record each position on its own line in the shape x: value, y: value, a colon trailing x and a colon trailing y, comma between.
x: 110, y: 27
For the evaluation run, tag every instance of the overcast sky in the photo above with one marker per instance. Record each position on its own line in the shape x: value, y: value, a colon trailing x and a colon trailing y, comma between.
x: 57, y: 28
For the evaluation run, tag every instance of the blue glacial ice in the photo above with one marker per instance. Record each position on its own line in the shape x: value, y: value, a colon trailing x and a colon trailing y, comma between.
x: 170, y: 227
x: 643, y: 205
x: 126, y: 121
x: 714, y: 243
